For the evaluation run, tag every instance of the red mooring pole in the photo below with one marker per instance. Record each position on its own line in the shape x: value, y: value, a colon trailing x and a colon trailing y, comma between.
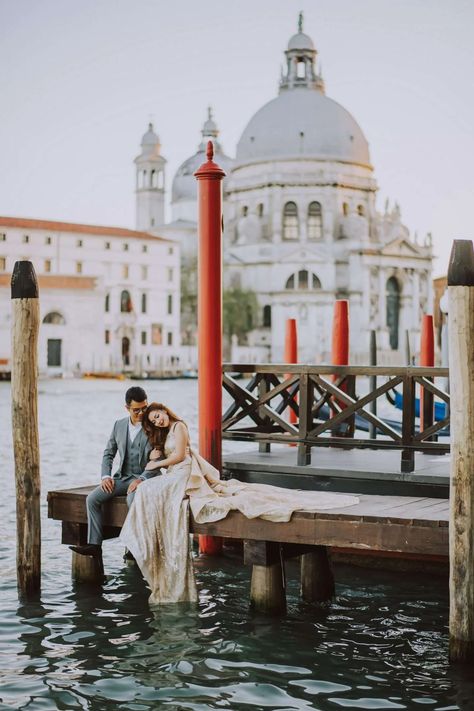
x: 209, y: 177
x: 340, y: 342
x: 340, y: 333
x: 426, y: 360
x: 291, y: 354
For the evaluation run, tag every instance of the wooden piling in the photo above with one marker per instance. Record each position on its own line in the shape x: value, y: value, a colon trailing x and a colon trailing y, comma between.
x: 24, y: 394
x: 461, y: 529
x: 267, y: 591
x: 267, y: 586
x: 317, y: 580
x: 87, y: 568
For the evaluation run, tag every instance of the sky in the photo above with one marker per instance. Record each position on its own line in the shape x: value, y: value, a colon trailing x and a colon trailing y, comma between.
x: 80, y: 80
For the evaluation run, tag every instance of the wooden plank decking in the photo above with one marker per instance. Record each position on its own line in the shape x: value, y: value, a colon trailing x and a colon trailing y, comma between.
x: 401, y: 524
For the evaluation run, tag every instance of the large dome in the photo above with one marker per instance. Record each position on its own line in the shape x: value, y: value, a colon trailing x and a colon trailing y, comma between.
x: 302, y: 122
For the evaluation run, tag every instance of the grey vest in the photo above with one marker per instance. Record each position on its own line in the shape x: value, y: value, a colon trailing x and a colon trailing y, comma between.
x: 131, y: 462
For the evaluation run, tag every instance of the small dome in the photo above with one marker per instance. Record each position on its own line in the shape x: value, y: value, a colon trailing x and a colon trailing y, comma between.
x: 300, y: 41
x: 184, y: 183
x: 150, y: 138
x: 209, y: 129
x: 302, y: 123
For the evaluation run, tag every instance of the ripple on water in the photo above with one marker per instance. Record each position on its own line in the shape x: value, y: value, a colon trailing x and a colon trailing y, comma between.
x: 381, y: 645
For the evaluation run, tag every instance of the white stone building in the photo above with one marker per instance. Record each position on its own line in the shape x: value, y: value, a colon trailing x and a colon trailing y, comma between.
x: 109, y: 297
x: 302, y: 229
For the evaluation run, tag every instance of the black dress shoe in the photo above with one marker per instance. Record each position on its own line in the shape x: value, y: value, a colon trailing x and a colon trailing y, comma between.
x: 90, y: 549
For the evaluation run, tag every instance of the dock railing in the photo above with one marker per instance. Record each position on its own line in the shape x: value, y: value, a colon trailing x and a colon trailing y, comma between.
x: 330, y: 411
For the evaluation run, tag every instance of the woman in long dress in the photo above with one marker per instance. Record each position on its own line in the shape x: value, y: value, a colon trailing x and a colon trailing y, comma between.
x: 156, y: 530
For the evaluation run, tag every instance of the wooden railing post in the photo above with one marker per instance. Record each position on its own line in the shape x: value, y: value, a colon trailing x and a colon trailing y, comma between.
x: 263, y: 388
x: 408, y: 423
x: 461, y: 526
x: 306, y: 419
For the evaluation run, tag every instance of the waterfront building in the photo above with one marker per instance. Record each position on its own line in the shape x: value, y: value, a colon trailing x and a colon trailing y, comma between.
x: 302, y: 228
x: 109, y: 297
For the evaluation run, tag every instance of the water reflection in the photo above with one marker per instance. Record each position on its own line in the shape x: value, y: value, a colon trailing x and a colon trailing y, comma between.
x: 382, y: 644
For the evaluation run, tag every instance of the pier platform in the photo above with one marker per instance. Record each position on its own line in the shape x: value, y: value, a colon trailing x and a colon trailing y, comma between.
x: 402, y: 524
x: 360, y: 471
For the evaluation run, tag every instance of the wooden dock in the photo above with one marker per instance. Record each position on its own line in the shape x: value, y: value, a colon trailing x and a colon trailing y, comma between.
x: 414, y: 525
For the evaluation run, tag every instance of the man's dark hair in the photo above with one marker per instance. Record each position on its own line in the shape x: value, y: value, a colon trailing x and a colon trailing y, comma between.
x: 135, y: 393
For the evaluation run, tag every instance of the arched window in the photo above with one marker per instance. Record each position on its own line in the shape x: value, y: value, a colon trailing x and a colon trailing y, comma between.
x: 345, y: 209
x: 393, y: 311
x: 245, y: 211
x: 143, y: 185
x: 267, y: 316
x: 55, y: 318
x: 125, y: 302
x: 315, y: 221
x: 260, y: 209
x: 303, y: 280
x: 290, y: 221
x: 360, y: 210
x: 107, y: 303
x: 144, y: 303
x: 153, y: 179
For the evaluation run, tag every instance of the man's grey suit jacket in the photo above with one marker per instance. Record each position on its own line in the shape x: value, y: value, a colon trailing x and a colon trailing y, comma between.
x: 118, y: 442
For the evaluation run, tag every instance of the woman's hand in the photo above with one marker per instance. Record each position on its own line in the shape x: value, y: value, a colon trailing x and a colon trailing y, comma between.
x: 155, y: 454
x: 134, y: 485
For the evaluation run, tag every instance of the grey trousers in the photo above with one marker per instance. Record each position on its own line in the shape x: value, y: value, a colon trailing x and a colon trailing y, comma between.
x: 94, y: 507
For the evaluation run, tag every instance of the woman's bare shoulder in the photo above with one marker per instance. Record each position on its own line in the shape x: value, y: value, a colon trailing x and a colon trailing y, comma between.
x: 180, y: 426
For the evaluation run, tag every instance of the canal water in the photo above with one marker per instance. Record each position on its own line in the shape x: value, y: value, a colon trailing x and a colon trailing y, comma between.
x: 381, y: 645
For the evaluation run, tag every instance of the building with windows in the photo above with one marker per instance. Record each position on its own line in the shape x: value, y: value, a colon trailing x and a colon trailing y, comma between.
x: 109, y: 297
x: 302, y: 228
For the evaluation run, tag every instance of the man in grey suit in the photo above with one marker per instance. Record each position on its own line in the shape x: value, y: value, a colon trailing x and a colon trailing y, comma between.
x: 129, y: 440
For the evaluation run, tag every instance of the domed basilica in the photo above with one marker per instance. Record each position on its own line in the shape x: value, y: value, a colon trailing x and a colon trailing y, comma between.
x: 301, y: 226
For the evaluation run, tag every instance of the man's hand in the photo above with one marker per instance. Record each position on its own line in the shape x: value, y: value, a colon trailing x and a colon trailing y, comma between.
x: 134, y: 485
x: 155, y: 454
x: 107, y: 484
x: 151, y: 466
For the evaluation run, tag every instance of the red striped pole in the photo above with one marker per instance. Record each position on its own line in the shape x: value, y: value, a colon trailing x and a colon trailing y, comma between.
x: 209, y: 177
x: 291, y: 355
x: 427, y: 360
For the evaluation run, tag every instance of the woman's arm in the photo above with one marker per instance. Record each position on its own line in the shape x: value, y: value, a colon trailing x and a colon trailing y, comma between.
x: 181, y: 439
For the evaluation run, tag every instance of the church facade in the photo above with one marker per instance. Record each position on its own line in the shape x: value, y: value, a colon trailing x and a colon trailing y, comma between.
x: 302, y: 228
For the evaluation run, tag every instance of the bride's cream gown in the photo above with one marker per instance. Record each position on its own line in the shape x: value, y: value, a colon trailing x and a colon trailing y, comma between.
x: 157, y: 526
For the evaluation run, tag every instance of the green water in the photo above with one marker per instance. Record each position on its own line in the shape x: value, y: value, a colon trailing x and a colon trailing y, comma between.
x: 382, y: 644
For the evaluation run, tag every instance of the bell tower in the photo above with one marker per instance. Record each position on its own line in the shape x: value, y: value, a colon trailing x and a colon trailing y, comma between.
x: 150, y: 183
